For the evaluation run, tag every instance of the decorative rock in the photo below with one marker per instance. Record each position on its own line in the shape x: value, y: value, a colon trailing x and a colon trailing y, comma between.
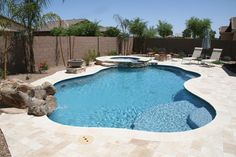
x: 38, y: 107
x: 39, y: 100
x: 13, y: 98
x: 26, y: 88
x: 49, y: 88
x: 51, y: 103
x: 40, y: 94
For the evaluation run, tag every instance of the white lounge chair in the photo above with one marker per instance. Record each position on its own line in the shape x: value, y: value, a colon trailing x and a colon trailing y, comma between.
x: 215, y: 56
x: 196, y: 53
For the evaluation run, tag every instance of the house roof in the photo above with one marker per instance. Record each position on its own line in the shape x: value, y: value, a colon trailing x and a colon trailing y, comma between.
x: 233, y: 23
x: 10, y: 25
x: 223, y: 28
x: 65, y: 24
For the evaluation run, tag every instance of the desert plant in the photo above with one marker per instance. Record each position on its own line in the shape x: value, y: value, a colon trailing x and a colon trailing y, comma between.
x: 86, y: 58
x: 112, y: 53
x: 92, y: 55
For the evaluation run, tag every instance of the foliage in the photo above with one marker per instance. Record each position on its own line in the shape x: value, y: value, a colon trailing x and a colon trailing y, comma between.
x: 186, y: 33
x: 84, y: 28
x: 113, y: 53
x: 111, y: 32
x: 87, y: 59
x: 58, y: 31
x: 150, y: 32
x: 212, y: 34
x: 92, y: 55
x: 123, y: 23
x: 198, y: 26
x: 43, y: 66
x: 30, y: 14
x: 137, y: 27
x: 164, y: 29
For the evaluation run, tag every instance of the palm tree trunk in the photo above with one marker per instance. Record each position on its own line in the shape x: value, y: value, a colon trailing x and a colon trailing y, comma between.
x: 5, y: 57
x: 62, y: 55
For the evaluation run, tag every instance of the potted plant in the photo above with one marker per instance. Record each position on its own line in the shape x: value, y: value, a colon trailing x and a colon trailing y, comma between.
x: 43, y: 67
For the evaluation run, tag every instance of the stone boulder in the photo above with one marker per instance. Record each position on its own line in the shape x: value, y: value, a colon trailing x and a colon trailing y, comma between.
x: 39, y: 100
x: 49, y: 88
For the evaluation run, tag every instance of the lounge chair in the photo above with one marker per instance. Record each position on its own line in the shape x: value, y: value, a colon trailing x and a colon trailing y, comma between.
x: 196, y: 53
x: 215, y: 56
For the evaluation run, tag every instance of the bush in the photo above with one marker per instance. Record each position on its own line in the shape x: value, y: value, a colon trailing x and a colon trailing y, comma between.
x: 111, y: 32
x: 113, y: 53
x: 58, y: 31
x: 85, y: 28
x: 92, y: 55
x: 43, y: 66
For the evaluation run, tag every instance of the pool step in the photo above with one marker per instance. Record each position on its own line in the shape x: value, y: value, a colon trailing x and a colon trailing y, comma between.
x: 199, y: 117
x: 109, y: 64
x: 175, y: 116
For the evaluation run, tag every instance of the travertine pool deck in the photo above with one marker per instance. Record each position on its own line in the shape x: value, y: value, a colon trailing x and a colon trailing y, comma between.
x: 29, y: 136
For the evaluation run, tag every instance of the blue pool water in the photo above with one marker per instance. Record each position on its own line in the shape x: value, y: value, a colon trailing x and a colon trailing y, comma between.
x: 151, y: 99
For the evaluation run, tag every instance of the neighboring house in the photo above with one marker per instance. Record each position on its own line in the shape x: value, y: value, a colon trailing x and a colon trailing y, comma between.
x: 229, y: 32
x: 9, y: 25
x: 45, y: 30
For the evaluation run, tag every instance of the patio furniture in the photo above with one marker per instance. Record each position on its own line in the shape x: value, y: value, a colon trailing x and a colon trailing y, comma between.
x: 196, y: 53
x: 215, y: 56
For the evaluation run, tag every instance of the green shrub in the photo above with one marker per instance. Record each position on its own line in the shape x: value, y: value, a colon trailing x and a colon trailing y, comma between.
x: 86, y: 58
x: 111, y: 32
x: 85, y: 28
x: 58, y: 31
x: 113, y: 53
x: 92, y: 55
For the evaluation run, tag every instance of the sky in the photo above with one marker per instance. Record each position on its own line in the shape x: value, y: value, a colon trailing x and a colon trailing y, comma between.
x: 175, y: 12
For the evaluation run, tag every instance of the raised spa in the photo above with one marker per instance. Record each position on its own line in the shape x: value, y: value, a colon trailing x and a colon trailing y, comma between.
x: 150, y: 99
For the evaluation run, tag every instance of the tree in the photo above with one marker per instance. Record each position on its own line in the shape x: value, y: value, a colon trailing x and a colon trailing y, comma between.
x: 150, y: 32
x: 29, y: 14
x: 186, y: 33
x: 111, y: 32
x: 164, y: 29
x: 4, y: 23
x: 137, y: 27
x: 198, y: 26
x: 125, y: 34
x: 84, y: 28
x: 212, y: 34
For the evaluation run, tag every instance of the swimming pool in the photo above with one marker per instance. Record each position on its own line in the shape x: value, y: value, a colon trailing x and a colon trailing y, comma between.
x: 151, y: 99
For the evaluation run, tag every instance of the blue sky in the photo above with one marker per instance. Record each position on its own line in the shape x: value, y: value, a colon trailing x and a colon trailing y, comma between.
x: 175, y: 12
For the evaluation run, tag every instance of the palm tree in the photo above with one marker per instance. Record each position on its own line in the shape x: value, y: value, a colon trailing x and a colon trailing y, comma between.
x: 125, y: 34
x: 28, y: 13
